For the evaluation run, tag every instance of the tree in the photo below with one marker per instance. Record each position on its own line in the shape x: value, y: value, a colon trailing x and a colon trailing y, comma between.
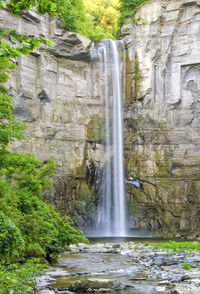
x: 103, y: 15
x: 28, y: 226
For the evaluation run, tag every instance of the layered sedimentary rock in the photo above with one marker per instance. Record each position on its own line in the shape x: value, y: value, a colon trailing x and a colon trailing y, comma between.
x: 162, y: 138
x: 56, y: 95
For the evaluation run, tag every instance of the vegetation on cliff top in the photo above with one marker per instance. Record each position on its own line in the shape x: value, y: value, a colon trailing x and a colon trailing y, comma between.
x: 128, y: 9
x: 29, y: 228
x: 103, y: 16
x: 96, y: 19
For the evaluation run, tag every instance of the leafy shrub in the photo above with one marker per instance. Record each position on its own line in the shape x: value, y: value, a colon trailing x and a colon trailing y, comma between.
x: 95, y: 19
x: 20, y: 278
x: 33, y: 224
x: 11, y: 241
x: 128, y: 9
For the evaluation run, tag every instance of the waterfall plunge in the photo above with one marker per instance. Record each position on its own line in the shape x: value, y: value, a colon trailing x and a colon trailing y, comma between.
x: 111, y: 220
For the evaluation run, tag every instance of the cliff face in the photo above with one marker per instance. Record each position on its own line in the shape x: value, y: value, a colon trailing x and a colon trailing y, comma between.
x: 55, y: 93
x: 162, y: 137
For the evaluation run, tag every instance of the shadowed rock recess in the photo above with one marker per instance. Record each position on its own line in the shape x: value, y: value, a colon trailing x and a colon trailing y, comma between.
x: 56, y: 92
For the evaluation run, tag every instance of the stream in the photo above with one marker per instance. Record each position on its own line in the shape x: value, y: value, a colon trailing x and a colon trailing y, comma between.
x: 121, y: 267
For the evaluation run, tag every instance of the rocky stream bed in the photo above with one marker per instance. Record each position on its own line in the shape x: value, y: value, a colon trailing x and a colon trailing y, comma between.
x: 123, y: 268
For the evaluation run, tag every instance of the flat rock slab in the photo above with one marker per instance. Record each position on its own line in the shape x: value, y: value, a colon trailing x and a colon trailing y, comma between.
x: 185, y: 289
x: 96, y: 286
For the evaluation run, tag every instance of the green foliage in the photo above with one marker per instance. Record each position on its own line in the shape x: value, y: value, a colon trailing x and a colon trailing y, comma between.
x: 136, y: 247
x: 128, y: 9
x: 93, y: 19
x: 25, y: 171
x: 178, y: 246
x: 186, y: 266
x: 28, y: 226
x: 103, y: 18
x: 33, y: 224
x: 98, y: 33
x: 72, y: 14
x: 11, y: 241
x: 42, y: 6
x: 146, y: 243
x: 20, y: 278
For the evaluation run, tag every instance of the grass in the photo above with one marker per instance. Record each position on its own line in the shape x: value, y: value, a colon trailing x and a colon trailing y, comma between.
x: 186, y: 266
x: 178, y: 246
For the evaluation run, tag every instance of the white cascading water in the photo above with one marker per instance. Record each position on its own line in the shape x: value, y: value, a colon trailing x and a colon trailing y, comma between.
x: 111, y: 219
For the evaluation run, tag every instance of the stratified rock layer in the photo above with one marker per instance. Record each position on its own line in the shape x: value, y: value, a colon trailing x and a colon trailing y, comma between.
x: 162, y: 138
x: 55, y: 94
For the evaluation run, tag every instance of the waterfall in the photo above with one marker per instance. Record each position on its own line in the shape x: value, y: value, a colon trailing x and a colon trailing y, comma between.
x: 109, y: 56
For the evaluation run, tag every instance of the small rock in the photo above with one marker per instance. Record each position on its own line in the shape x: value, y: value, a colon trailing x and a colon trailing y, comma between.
x: 46, y: 291
x: 119, y: 286
x: 185, y: 277
x: 160, y: 290
x: 116, y: 245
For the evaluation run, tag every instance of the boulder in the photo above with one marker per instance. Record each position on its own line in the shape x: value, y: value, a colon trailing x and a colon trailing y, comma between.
x: 96, y: 286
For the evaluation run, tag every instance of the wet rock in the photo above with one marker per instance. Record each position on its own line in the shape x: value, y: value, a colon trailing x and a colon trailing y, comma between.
x: 116, y: 245
x: 73, y: 248
x: 147, y: 266
x: 185, y: 289
x: 57, y: 273
x: 96, y: 285
x: 45, y: 281
x: 196, y: 258
x: 129, y: 285
x: 118, y: 286
x: 185, y: 277
x: 46, y: 291
x: 160, y: 290
x: 164, y: 261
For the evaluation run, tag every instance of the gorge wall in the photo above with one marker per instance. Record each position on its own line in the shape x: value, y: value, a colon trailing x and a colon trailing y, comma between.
x: 56, y: 92
x: 162, y: 138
